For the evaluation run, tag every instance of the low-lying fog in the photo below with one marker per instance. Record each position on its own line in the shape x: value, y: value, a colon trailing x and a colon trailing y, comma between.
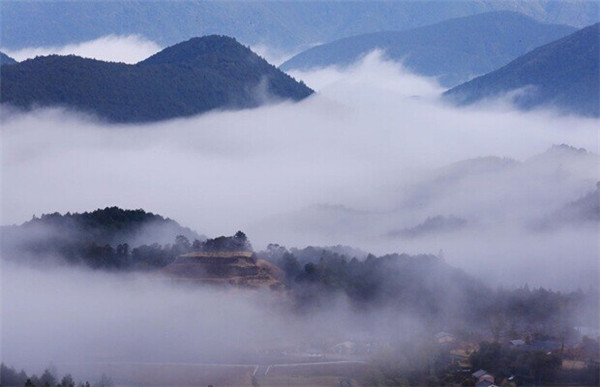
x: 84, y: 321
x: 374, y: 160
x: 371, y: 154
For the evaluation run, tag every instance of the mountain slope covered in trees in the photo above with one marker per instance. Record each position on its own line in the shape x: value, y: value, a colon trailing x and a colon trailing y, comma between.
x: 314, y: 278
x: 563, y: 74
x: 6, y: 60
x: 109, y: 238
x: 454, y: 50
x: 213, y: 72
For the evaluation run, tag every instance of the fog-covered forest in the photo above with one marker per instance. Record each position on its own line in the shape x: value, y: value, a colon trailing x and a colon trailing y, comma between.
x: 436, y: 297
x: 176, y: 210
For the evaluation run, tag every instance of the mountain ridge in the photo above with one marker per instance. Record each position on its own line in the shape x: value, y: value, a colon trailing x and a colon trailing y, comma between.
x: 562, y: 74
x: 284, y: 25
x: 6, y: 60
x: 452, y: 50
x: 206, y: 73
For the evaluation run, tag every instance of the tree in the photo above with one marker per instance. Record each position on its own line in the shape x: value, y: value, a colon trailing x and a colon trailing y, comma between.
x: 182, y: 245
x: 491, y: 357
x: 291, y: 267
x: 47, y: 379
x: 544, y: 366
x: 197, y: 245
x: 67, y: 381
x: 181, y: 240
x: 105, y: 381
x: 241, y: 236
x: 10, y: 377
x: 240, y: 241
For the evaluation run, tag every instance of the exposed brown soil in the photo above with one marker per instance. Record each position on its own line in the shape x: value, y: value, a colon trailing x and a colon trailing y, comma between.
x: 238, y: 268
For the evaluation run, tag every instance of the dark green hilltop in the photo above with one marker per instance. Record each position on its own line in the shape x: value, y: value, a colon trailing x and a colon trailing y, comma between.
x: 564, y: 74
x: 201, y: 74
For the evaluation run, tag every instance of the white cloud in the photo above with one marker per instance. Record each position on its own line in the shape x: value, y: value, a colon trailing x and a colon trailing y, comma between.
x: 371, y: 141
x: 373, y: 151
x: 112, y: 48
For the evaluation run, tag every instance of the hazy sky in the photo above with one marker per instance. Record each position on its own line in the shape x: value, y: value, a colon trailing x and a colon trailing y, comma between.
x: 112, y: 48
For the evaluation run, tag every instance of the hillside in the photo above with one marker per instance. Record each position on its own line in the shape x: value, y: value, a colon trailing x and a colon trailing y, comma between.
x: 585, y: 210
x: 288, y: 26
x: 562, y: 74
x: 454, y: 50
x: 201, y: 74
x: 109, y: 238
x: 6, y: 60
x: 239, y: 268
x: 313, y: 279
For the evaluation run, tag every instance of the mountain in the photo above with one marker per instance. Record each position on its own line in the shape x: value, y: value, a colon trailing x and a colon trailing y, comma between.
x: 201, y: 74
x: 431, y: 225
x: 288, y: 26
x: 454, y: 50
x: 585, y: 210
x: 111, y: 225
x: 107, y: 239
x: 562, y: 74
x: 6, y: 60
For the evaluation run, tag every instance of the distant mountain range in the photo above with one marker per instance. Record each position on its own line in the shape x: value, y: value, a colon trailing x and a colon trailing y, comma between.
x: 201, y: 74
x: 285, y: 25
x: 453, y: 51
x: 564, y: 74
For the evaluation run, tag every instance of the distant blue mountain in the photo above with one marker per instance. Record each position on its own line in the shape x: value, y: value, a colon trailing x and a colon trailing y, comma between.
x: 453, y: 51
x: 6, y: 60
x: 213, y: 72
x: 564, y: 74
x: 285, y: 25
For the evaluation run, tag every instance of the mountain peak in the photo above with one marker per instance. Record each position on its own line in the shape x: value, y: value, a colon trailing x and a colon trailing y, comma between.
x: 206, y: 50
x: 192, y: 77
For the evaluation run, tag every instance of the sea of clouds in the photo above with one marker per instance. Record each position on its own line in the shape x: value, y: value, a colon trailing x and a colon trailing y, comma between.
x: 374, y: 152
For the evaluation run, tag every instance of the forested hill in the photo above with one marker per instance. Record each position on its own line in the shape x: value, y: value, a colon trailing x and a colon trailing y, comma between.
x: 454, y: 50
x: 111, y: 225
x: 117, y: 240
x: 563, y: 74
x: 201, y: 74
x: 6, y: 60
